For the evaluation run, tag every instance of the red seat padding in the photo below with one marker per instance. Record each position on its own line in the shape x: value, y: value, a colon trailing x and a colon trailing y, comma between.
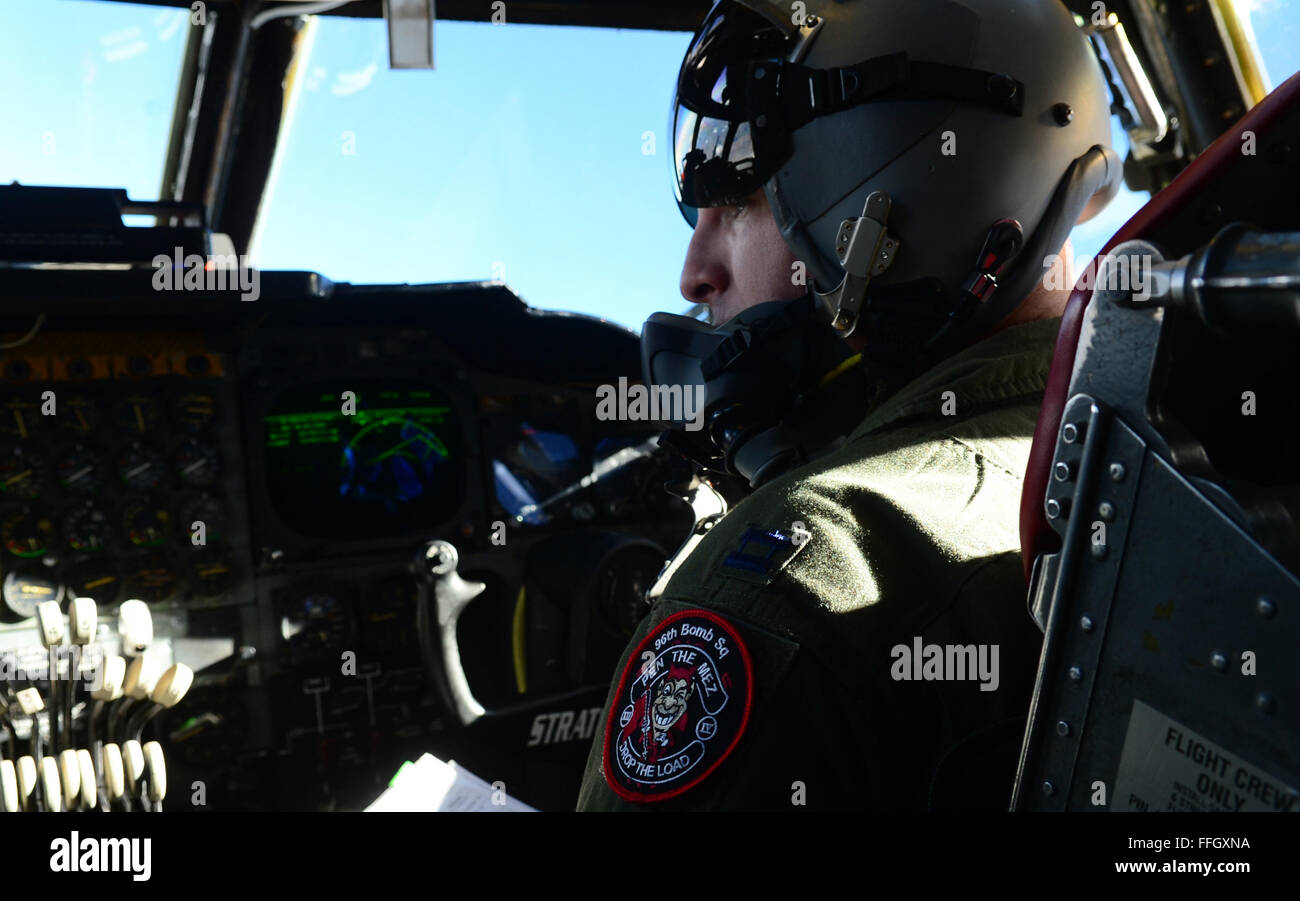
x: 1149, y: 223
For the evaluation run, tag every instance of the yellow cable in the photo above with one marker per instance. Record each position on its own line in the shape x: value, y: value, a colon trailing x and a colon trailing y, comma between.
x: 518, y: 644
x: 839, y: 370
x: 1240, y: 38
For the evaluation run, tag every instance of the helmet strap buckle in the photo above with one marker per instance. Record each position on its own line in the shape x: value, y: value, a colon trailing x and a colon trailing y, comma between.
x: 865, y: 250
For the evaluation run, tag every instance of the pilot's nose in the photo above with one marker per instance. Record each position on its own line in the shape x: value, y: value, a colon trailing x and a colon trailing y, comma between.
x: 704, y: 272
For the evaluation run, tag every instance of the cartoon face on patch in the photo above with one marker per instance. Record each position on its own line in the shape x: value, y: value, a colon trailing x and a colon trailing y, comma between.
x: 681, y: 706
x: 669, y: 706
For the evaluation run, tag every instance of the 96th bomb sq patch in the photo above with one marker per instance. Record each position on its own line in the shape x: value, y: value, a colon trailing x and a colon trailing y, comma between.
x: 682, y: 704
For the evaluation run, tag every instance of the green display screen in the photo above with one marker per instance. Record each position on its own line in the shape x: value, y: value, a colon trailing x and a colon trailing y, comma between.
x: 362, y: 461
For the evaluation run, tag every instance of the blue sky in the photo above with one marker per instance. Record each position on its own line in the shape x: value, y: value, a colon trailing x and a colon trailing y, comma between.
x: 508, y: 161
x: 535, y: 154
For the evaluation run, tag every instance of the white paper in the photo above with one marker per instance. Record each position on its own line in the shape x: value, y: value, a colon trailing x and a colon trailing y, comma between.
x: 431, y: 784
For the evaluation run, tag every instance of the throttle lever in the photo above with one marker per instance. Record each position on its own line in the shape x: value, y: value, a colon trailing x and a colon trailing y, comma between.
x: 442, y: 595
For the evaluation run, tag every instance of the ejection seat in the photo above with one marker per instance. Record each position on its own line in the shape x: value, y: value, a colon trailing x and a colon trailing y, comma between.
x: 1161, y: 502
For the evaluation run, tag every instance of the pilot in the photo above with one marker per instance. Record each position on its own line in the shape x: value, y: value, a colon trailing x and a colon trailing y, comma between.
x: 881, y: 195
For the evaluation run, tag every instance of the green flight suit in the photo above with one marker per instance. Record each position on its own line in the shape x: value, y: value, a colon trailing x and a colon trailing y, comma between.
x: 831, y: 577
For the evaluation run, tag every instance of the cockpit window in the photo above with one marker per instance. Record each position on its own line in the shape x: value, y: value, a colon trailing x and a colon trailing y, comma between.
x: 1276, y: 29
x: 89, y: 92
x: 536, y: 155
x: 509, y: 161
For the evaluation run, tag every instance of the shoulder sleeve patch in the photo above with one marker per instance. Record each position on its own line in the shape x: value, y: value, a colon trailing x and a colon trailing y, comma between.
x: 682, y: 704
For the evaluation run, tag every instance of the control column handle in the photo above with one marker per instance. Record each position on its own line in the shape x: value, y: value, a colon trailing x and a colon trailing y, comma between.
x: 442, y: 595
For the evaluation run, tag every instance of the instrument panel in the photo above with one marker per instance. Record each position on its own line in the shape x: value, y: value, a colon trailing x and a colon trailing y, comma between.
x: 117, y: 478
x: 263, y: 473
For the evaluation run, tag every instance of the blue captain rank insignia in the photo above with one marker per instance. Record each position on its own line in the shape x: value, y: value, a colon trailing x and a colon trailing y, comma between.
x: 762, y: 553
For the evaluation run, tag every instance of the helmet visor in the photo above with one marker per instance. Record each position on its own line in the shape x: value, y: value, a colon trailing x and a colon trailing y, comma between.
x: 714, y: 159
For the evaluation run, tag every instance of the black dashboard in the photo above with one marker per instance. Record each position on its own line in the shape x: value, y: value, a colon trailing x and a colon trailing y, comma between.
x: 263, y: 473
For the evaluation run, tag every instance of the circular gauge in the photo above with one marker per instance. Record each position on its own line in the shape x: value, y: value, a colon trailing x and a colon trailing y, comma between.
x: 27, y: 534
x: 87, y: 530
x: 140, y: 467
x: 388, y: 616
x: 20, y: 417
x: 136, y: 414
x: 194, y: 411
x: 208, y: 510
x: 22, y: 473
x: 96, y: 578
x: 146, y: 525
x: 81, y: 469
x: 197, y: 464
x: 211, y: 572
x: 391, y: 461
x: 151, y: 578
x: 315, y: 624
x: 79, y: 415
x: 26, y: 587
